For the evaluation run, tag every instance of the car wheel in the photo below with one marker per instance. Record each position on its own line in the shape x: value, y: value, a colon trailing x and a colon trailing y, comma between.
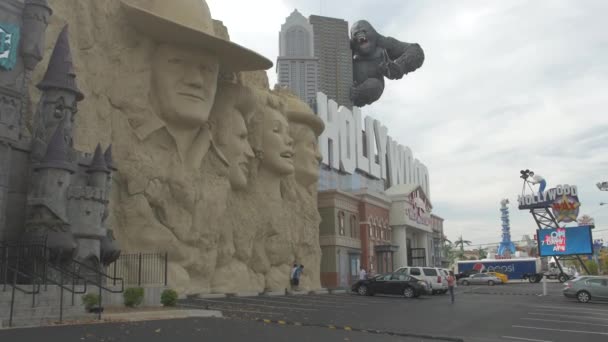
x: 409, y: 292
x: 490, y: 282
x: 562, y: 278
x: 583, y: 296
x: 362, y: 290
x: 465, y: 282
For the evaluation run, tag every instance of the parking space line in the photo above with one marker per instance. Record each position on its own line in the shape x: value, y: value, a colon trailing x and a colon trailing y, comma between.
x: 575, y: 311
x: 302, y: 298
x: 258, y: 305
x: 559, y: 321
x: 567, y: 316
x: 257, y: 299
x: 570, y: 308
x: 235, y: 310
x: 524, y: 339
x: 368, y: 300
x: 562, y: 330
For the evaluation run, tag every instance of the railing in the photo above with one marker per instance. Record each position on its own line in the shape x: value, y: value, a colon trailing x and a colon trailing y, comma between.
x: 29, y: 263
x: 140, y: 268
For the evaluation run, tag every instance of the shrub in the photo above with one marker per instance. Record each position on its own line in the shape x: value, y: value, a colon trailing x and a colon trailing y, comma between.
x: 592, y: 267
x: 133, y: 296
x: 90, y: 300
x: 168, y: 297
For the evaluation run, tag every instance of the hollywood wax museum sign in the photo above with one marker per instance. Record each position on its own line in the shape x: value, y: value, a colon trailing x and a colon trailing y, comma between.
x: 563, y: 200
x: 9, y: 40
x: 347, y: 144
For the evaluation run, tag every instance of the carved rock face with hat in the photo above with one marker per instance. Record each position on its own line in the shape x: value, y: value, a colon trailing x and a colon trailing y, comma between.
x: 188, y: 58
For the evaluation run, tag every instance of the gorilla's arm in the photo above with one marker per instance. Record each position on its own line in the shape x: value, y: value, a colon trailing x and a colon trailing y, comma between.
x: 408, y: 56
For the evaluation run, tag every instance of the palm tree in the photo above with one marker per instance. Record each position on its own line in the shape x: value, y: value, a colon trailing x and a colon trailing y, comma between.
x: 483, y: 253
x: 460, y: 243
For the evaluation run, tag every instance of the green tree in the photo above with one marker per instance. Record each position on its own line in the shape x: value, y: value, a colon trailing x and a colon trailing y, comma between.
x: 482, y: 252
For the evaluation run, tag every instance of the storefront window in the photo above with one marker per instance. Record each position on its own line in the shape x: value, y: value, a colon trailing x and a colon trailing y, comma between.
x: 341, y: 222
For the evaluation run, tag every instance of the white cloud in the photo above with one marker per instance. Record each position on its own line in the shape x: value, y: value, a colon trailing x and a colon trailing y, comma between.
x: 506, y: 85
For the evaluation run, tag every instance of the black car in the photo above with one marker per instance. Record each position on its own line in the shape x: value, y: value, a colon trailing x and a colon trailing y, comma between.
x: 392, y: 283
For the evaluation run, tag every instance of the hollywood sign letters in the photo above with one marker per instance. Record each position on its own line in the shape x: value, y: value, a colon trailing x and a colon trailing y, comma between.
x: 348, y: 143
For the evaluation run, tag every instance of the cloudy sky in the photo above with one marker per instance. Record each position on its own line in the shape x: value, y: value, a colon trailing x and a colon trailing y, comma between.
x: 506, y: 85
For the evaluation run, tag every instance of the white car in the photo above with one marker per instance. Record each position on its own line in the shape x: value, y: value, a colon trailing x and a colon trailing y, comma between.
x: 434, y: 276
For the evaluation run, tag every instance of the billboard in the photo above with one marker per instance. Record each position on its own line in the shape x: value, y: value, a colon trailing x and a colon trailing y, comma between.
x: 565, y: 241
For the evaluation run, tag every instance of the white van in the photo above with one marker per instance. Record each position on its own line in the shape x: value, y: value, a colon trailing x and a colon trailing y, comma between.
x: 434, y: 276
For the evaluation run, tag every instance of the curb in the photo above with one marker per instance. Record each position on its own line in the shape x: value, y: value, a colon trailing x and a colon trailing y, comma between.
x: 159, y: 315
x: 210, y: 295
x: 319, y: 292
x: 296, y: 293
x: 273, y: 294
x: 243, y: 294
x: 337, y: 291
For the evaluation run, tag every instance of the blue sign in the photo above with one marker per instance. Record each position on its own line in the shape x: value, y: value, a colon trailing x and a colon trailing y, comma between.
x: 9, y: 41
x: 565, y: 241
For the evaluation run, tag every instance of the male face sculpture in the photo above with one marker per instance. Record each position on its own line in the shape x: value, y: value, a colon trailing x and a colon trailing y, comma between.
x: 277, y: 144
x: 307, y: 155
x: 184, y: 82
x: 232, y: 140
x: 364, y: 38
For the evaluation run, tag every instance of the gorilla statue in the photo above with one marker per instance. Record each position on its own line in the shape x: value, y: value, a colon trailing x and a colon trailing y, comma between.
x: 376, y: 57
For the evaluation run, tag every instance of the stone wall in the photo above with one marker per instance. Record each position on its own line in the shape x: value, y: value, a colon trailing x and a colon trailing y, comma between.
x: 220, y: 237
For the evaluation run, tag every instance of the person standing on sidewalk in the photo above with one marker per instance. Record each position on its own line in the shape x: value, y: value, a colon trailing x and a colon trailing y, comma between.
x: 362, y: 274
x: 451, y: 283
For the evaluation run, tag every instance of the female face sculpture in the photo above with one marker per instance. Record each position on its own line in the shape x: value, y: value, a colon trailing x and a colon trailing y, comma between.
x: 276, y: 144
x: 307, y: 155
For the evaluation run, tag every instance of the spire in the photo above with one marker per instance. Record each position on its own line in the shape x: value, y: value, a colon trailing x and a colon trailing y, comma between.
x: 56, y: 156
x: 60, y: 72
x: 108, y: 157
x: 99, y: 162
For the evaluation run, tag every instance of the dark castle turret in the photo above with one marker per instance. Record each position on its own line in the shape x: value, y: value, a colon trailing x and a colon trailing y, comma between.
x: 72, y: 184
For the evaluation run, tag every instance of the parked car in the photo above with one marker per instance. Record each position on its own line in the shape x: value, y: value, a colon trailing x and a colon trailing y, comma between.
x: 392, y: 283
x: 466, y: 274
x: 503, y: 277
x: 586, y: 288
x: 480, y: 279
x: 432, y: 275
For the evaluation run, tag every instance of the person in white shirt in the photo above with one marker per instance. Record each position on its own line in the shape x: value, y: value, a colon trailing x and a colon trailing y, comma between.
x: 538, y: 179
x: 362, y: 274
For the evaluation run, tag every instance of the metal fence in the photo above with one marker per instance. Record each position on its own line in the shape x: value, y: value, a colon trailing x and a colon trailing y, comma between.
x: 140, y: 268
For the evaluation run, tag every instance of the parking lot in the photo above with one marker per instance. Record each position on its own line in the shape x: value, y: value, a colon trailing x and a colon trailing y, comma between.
x: 511, y: 312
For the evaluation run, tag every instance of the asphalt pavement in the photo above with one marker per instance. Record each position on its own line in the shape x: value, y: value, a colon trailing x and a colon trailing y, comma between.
x: 512, y: 312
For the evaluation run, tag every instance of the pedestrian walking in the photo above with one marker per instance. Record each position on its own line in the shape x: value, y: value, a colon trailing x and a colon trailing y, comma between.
x: 292, y: 277
x: 362, y: 274
x: 451, y: 284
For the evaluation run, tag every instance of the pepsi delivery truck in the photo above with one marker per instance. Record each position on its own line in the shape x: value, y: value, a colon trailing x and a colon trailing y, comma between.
x: 520, y: 268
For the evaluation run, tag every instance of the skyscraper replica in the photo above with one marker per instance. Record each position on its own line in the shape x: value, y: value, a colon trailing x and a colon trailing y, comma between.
x: 331, y: 46
x: 49, y: 192
x: 297, y: 66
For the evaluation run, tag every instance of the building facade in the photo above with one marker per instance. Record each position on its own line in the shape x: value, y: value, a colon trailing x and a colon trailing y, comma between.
x: 438, y: 241
x: 332, y: 47
x: 297, y: 66
x: 377, y: 250
x: 339, y: 237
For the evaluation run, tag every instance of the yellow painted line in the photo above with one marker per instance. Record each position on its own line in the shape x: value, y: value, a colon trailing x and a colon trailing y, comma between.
x: 281, y: 322
x: 348, y: 328
x: 331, y: 327
x: 267, y: 321
x: 298, y: 324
